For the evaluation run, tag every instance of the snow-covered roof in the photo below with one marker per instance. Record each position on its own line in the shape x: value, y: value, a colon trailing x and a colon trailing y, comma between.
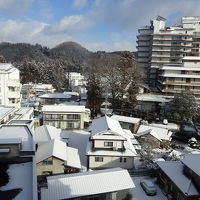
x: 152, y: 98
x: 73, y: 159
x: 46, y: 133
x: 169, y: 126
x: 55, y: 96
x: 106, y: 126
x: 174, y: 170
x: 16, y: 133
x: 192, y: 161
x: 121, y: 118
x: 58, y: 149
x: 5, y: 67
x: 87, y: 183
x: 4, y: 111
x: 63, y: 108
x: 22, y: 176
x: 71, y: 93
x: 159, y: 133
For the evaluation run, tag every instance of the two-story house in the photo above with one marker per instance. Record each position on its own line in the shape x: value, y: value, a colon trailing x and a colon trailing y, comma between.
x: 54, y: 157
x: 180, y: 179
x: 109, y: 145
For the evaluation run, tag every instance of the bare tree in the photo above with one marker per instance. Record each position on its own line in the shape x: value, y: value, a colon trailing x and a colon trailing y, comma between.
x: 118, y: 75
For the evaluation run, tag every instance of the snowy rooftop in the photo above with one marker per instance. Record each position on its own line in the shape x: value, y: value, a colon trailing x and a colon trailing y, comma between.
x: 152, y: 98
x: 131, y: 120
x: 174, y: 170
x: 42, y: 86
x: 46, y: 133
x: 71, y: 93
x: 169, y: 126
x: 6, y: 67
x: 24, y: 110
x: 63, y: 108
x: 55, y: 96
x: 18, y: 132
x: 106, y: 125
x: 22, y: 176
x: 85, y: 184
x: 4, y: 111
x: 193, y: 162
x: 159, y: 133
x: 58, y: 149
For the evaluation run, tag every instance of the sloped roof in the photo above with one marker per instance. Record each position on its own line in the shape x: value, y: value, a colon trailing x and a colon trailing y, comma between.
x: 192, y: 161
x: 46, y: 133
x: 63, y: 108
x: 108, y: 127
x: 159, y: 133
x: 58, y: 149
x: 174, y: 170
x: 87, y: 183
x: 127, y: 119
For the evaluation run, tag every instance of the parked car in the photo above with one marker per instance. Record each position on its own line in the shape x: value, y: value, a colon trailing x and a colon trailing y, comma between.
x: 149, y: 187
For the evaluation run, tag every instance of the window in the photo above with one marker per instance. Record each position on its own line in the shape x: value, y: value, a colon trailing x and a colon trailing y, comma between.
x: 122, y: 160
x: 48, y: 161
x: 108, y: 144
x: 98, y: 159
x: 73, y: 116
x: 47, y: 173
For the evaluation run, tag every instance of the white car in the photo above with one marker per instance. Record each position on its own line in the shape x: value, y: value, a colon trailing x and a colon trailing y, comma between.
x: 148, y: 186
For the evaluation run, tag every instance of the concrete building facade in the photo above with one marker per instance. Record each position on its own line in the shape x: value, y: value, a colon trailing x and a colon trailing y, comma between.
x: 158, y: 45
x: 10, y: 86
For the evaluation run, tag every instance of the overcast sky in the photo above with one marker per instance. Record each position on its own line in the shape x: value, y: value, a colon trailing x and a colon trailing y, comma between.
x: 108, y: 25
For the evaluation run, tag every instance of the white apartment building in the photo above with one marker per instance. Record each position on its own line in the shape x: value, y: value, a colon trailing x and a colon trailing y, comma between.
x: 158, y: 45
x: 177, y: 78
x: 65, y: 116
x: 9, y: 85
x: 77, y: 82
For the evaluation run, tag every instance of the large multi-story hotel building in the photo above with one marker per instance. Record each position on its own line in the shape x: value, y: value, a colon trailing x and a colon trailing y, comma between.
x: 158, y: 44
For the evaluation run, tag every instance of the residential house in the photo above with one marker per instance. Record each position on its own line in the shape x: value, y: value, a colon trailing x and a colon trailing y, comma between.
x: 154, y: 136
x: 180, y: 179
x: 109, y: 184
x: 126, y: 122
x: 109, y: 146
x: 65, y: 116
x: 55, y: 157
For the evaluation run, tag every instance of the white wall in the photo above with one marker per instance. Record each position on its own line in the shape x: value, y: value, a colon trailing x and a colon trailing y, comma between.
x: 111, y: 162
